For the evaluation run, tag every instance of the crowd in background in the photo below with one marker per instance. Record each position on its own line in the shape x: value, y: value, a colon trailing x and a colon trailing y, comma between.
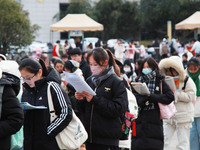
x: 109, y: 71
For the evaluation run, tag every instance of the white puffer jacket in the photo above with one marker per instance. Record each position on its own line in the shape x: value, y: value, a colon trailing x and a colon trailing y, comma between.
x: 183, y: 98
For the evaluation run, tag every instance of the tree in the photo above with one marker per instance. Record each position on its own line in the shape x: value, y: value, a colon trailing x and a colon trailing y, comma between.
x: 79, y: 6
x: 15, y: 28
x: 127, y: 23
x: 107, y: 13
x: 154, y: 15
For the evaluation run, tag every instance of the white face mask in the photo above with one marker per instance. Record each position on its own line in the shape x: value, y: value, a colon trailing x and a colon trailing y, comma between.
x: 127, y: 70
x: 96, y: 70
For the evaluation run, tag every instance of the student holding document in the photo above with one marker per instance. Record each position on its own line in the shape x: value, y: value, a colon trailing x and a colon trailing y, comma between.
x: 149, y: 129
x: 103, y: 112
x: 185, y: 93
x: 39, y: 133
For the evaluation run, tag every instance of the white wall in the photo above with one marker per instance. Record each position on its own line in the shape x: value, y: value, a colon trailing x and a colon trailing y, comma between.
x: 41, y: 12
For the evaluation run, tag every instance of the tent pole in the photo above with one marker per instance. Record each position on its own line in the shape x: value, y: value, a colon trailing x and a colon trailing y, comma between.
x: 82, y: 41
x: 102, y: 36
x: 195, y: 34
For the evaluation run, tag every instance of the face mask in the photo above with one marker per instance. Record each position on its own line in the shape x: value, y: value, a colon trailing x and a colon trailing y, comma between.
x: 146, y: 71
x: 127, y: 70
x: 96, y: 70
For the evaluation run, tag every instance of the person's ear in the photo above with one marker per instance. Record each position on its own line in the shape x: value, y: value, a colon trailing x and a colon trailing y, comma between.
x: 40, y: 72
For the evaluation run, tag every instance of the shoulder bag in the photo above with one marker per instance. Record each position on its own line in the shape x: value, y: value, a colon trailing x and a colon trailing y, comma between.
x: 74, y: 135
x: 166, y: 111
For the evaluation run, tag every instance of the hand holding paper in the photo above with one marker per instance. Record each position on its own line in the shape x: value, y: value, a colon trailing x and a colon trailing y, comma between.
x: 172, y: 82
x: 78, y: 83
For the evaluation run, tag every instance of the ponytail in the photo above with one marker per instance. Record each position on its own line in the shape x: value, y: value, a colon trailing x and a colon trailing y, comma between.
x: 112, y: 62
x: 45, y: 71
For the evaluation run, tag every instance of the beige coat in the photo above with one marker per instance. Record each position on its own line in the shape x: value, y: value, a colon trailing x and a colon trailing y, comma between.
x: 183, y: 98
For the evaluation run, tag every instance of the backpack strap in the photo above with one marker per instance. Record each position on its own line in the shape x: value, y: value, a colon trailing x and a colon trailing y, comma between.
x: 185, y: 81
x: 1, y: 93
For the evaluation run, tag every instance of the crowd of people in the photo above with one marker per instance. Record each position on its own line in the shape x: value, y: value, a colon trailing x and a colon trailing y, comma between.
x: 109, y: 71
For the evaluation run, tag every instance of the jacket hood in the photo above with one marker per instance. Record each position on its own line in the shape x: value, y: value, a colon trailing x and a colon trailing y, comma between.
x: 10, y: 75
x: 11, y: 67
x: 9, y: 79
x: 173, y: 62
x: 52, y: 76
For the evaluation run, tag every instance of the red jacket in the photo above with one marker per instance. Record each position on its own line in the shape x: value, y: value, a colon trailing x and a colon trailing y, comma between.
x: 56, y: 51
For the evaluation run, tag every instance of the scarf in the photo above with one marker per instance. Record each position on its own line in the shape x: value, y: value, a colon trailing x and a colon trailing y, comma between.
x: 150, y: 80
x: 195, y: 78
x: 96, y: 79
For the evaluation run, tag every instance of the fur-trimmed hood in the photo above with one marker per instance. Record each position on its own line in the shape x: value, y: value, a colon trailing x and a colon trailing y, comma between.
x: 174, y: 62
x: 9, y: 74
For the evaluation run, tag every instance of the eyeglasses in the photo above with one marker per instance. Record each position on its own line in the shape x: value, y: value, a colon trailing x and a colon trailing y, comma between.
x: 29, y: 79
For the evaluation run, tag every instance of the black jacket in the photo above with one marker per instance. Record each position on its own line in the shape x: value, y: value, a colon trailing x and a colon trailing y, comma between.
x: 149, y: 126
x: 12, y: 114
x: 102, y: 115
x: 85, y: 69
x: 38, y: 132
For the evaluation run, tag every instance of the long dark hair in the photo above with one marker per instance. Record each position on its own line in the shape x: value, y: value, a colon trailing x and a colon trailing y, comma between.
x: 152, y: 64
x: 101, y: 55
x: 33, y: 66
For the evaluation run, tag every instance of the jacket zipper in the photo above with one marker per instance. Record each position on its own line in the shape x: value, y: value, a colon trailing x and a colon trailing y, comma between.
x: 91, y: 115
x: 91, y: 123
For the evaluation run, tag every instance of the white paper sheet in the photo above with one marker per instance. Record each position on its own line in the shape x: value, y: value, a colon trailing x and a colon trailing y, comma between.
x: 27, y: 106
x: 170, y: 81
x: 140, y: 88
x: 78, y: 83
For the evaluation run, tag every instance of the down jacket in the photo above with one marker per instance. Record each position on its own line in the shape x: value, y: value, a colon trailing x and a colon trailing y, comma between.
x: 183, y: 98
x: 12, y: 114
x: 39, y: 133
x: 102, y: 116
x: 149, y: 126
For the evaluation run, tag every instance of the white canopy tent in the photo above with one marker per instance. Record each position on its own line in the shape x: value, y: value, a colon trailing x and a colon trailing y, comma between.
x: 190, y: 23
x: 76, y: 22
x: 76, y: 25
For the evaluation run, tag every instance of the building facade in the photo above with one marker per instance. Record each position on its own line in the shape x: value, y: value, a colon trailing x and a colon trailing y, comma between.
x: 45, y: 13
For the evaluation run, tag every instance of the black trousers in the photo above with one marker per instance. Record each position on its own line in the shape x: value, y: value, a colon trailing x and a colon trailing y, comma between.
x: 91, y: 146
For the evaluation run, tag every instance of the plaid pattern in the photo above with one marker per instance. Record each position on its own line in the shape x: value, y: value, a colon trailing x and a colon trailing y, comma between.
x: 150, y: 80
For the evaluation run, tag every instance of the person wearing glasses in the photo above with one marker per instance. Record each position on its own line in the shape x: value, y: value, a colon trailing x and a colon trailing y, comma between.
x: 39, y: 133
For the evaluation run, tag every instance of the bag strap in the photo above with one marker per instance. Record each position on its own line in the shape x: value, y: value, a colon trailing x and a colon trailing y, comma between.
x: 1, y: 93
x: 185, y: 81
x: 50, y: 101
x: 160, y: 86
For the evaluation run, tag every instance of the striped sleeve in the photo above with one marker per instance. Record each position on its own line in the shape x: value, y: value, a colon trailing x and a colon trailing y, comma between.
x: 61, y: 104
